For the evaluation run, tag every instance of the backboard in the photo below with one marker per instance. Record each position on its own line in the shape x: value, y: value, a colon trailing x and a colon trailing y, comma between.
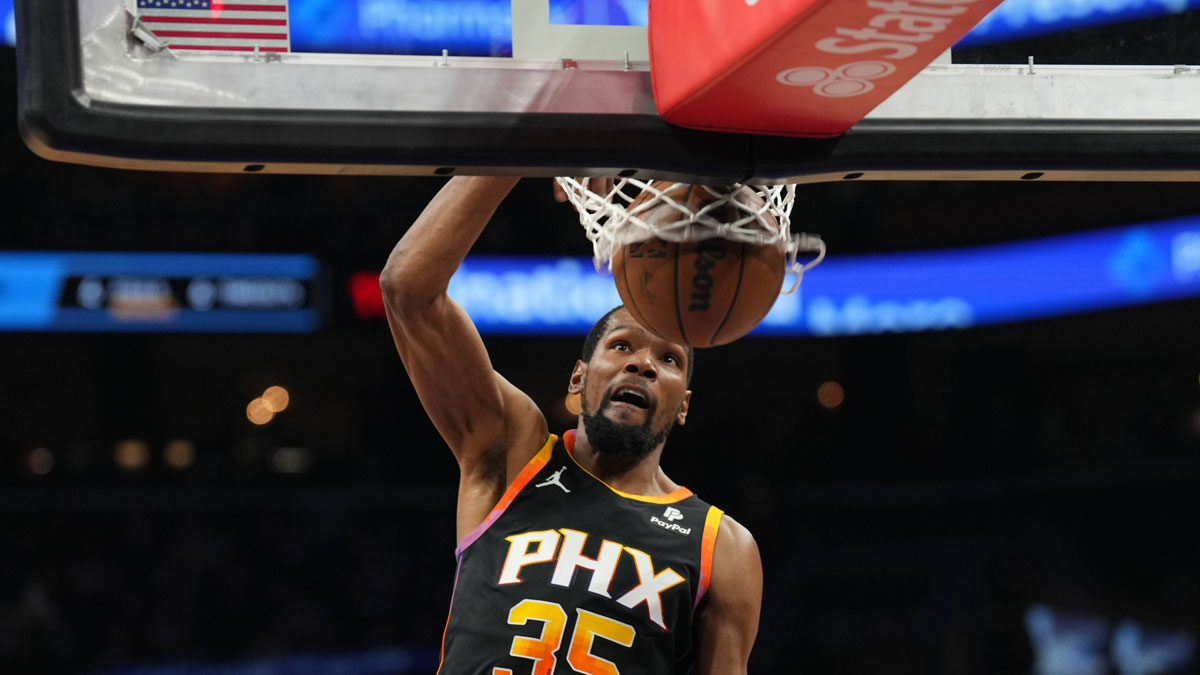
x: 569, y: 93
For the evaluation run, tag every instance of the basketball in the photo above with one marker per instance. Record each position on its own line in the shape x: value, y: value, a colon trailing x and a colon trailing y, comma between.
x: 701, y: 293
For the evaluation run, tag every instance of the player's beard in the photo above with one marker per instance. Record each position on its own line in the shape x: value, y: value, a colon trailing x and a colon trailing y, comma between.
x: 627, y: 441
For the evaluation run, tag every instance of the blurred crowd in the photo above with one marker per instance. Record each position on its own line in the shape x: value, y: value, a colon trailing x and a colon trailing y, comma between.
x: 103, y: 587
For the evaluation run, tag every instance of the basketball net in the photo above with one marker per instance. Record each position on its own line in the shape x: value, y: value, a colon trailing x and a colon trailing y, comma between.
x: 612, y: 220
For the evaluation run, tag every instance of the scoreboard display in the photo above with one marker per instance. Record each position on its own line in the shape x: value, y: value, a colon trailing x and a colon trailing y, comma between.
x: 168, y: 292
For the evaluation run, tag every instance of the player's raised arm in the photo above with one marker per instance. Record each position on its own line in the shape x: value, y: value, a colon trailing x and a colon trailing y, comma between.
x: 483, y: 418
x: 727, y: 619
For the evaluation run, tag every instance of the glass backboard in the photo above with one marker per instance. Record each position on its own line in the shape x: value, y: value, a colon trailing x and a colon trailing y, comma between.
x: 553, y: 87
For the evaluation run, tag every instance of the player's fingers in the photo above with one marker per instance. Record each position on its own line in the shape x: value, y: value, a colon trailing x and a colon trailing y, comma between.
x: 601, y: 186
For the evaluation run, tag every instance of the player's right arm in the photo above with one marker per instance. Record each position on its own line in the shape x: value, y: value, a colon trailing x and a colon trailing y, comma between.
x: 492, y: 427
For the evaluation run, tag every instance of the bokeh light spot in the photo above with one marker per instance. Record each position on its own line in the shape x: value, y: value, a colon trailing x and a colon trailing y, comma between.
x: 276, y: 399
x: 131, y: 454
x: 830, y: 395
x: 179, y: 454
x: 40, y: 461
x: 258, y: 412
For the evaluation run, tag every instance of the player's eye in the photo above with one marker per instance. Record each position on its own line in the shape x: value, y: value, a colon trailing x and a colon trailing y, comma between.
x: 621, y: 346
x: 671, y: 358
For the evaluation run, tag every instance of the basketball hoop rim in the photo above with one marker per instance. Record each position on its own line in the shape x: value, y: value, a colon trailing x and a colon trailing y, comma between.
x: 609, y: 222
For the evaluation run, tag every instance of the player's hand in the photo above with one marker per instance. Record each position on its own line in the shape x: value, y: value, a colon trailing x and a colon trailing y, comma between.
x: 598, y: 185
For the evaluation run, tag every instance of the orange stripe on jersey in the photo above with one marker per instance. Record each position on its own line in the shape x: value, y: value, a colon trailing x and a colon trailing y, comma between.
x: 442, y: 657
x: 677, y: 496
x: 712, y: 523
x: 531, y: 469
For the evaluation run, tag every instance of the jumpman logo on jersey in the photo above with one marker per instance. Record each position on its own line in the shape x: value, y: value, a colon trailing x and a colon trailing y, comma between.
x: 554, y: 480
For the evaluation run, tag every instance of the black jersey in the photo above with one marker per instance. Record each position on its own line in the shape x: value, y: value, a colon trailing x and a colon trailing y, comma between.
x: 568, y: 575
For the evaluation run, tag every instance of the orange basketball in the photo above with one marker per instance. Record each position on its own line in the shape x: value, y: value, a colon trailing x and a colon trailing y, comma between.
x: 701, y: 293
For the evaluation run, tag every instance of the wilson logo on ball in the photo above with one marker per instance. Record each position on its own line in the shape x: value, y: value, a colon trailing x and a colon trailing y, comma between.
x: 850, y: 79
x: 708, y: 252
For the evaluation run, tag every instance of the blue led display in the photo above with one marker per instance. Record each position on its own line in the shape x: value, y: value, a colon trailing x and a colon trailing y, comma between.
x: 484, y: 27
x: 463, y: 27
x: 29, y: 288
x: 1015, y: 19
x: 600, y: 12
x: 845, y: 295
x: 160, y: 292
x: 10, y: 22
x: 899, y: 292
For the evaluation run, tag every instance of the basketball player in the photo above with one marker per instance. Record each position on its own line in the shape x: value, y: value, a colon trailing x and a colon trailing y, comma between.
x: 579, y: 555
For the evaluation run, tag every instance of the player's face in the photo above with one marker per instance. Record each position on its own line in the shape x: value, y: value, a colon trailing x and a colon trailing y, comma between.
x: 634, y: 388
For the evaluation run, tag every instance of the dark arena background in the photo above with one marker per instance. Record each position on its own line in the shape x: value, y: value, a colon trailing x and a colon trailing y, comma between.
x: 1016, y: 497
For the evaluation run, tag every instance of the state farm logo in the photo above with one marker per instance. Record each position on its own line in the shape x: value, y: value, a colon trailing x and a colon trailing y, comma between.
x: 850, y: 79
x: 899, y: 29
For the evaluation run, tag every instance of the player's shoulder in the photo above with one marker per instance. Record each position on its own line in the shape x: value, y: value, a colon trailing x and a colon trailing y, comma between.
x: 733, y: 538
x: 736, y: 568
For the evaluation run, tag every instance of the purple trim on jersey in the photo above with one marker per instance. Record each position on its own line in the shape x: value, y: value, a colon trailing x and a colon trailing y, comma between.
x: 531, y: 469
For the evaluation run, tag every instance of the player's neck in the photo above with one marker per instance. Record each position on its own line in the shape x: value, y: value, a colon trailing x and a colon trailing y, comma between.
x: 641, y: 476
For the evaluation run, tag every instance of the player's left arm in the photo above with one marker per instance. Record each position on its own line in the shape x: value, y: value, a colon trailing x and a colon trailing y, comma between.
x: 727, y: 618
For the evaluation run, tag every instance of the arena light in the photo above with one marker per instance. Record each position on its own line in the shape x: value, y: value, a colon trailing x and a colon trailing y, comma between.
x: 276, y: 399
x: 365, y: 295
x: 40, y: 461
x: 831, y: 395
x: 258, y: 412
x: 179, y: 454
x: 131, y: 454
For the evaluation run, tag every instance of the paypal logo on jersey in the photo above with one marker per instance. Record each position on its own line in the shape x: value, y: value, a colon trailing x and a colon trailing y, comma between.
x: 671, y: 514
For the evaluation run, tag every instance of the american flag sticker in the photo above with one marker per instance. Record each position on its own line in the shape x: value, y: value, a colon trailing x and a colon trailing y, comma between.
x: 218, y: 26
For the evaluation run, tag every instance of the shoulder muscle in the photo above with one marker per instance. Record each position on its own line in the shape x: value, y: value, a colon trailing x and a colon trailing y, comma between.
x: 727, y: 619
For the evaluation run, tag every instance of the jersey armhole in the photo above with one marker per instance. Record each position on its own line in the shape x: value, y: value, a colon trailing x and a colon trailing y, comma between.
x: 531, y: 469
x: 708, y: 543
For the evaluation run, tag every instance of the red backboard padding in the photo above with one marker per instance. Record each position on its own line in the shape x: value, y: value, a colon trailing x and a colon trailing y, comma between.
x: 794, y: 67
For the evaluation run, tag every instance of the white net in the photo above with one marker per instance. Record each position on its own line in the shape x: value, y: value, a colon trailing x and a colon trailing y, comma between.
x: 626, y: 210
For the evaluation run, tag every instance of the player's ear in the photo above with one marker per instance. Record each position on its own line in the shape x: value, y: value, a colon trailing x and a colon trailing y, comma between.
x: 681, y: 418
x: 575, y: 384
x: 574, y: 400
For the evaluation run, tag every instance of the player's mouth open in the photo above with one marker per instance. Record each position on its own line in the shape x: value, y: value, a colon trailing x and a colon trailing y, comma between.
x: 632, y: 396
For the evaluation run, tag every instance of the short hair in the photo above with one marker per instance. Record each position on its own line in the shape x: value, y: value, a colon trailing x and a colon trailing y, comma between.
x: 601, y: 328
